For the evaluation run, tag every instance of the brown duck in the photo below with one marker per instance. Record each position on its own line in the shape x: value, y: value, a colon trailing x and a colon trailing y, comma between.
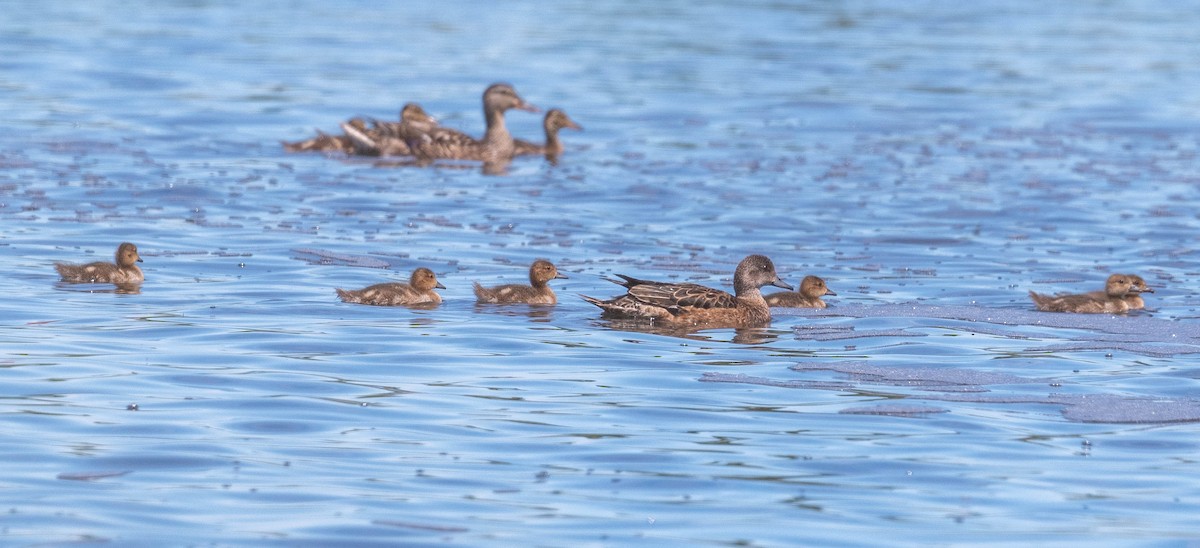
x: 391, y: 138
x: 555, y: 120
x: 124, y: 272
x: 812, y: 289
x: 325, y: 142
x: 537, y: 292
x: 693, y: 305
x: 418, y: 291
x: 1137, y: 286
x: 1110, y: 301
x: 497, y: 144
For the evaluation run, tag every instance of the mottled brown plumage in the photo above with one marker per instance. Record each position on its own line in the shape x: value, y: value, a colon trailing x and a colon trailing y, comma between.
x: 496, y: 145
x: 124, y: 272
x: 555, y: 120
x: 812, y: 289
x: 693, y: 305
x: 391, y: 138
x: 418, y: 291
x: 325, y: 142
x: 1111, y: 301
x: 537, y: 292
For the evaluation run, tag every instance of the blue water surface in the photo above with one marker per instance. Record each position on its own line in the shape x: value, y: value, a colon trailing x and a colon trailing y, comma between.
x: 933, y: 161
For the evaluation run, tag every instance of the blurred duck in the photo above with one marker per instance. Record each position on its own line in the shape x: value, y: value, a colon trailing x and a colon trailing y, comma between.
x: 693, y: 305
x: 325, y: 142
x: 1110, y: 301
x: 554, y: 121
x: 124, y: 272
x: 495, y: 147
x: 812, y: 289
x: 390, y: 138
x: 418, y: 291
x: 537, y: 292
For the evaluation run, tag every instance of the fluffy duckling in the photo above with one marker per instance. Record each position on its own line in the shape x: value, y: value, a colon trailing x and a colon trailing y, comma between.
x: 693, y: 305
x: 496, y: 145
x: 124, y: 272
x: 418, y: 291
x: 537, y: 292
x: 391, y: 138
x: 325, y: 142
x: 1112, y: 301
x: 812, y: 289
x: 1137, y: 286
x: 555, y: 120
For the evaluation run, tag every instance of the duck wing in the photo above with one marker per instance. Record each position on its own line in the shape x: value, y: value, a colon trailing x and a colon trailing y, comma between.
x: 675, y: 297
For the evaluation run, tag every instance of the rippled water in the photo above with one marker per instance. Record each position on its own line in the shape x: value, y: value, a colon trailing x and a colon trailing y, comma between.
x: 933, y: 163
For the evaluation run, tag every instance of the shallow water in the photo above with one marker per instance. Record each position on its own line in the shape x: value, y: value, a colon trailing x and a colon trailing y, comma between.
x: 932, y: 163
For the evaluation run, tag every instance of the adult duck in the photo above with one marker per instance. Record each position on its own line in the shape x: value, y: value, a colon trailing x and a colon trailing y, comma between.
x: 497, y: 144
x: 696, y: 306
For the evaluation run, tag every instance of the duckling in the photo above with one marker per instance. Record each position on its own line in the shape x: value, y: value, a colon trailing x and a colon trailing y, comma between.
x: 496, y: 145
x: 391, y: 138
x: 537, y: 292
x: 325, y: 142
x: 555, y: 120
x: 124, y: 272
x: 812, y: 289
x: 1137, y: 286
x: 1112, y: 301
x: 418, y: 291
x: 693, y: 305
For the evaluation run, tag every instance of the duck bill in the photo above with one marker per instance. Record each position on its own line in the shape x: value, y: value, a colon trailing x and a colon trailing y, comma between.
x: 440, y: 286
x: 527, y: 107
x: 560, y: 277
x: 780, y: 283
x: 830, y: 292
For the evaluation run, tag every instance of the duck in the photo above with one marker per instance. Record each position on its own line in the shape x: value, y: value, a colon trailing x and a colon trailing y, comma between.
x: 325, y: 142
x: 694, y: 305
x: 555, y: 120
x: 496, y: 146
x: 537, y: 292
x: 390, y: 138
x: 812, y: 289
x: 124, y: 272
x: 418, y: 291
x: 1137, y: 286
x: 1111, y: 301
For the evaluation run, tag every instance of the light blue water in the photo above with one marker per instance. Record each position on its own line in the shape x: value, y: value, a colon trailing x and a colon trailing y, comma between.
x: 933, y: 163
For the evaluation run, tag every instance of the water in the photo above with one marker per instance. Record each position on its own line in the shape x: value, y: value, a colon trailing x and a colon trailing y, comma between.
x: 933, y: 163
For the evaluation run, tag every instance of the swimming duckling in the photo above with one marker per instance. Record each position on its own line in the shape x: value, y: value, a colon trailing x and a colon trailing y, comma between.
x: 537, y: 292
x: 555, y: 120
x: 496, y: 145
x: 1137, y: 286
x: 325, y: 142
x: 688, y: 304
x: 1112, y: 301
x: 124, y: 272
x: 391, y: 138
x: 418, y: 291
x: 812, y: 289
